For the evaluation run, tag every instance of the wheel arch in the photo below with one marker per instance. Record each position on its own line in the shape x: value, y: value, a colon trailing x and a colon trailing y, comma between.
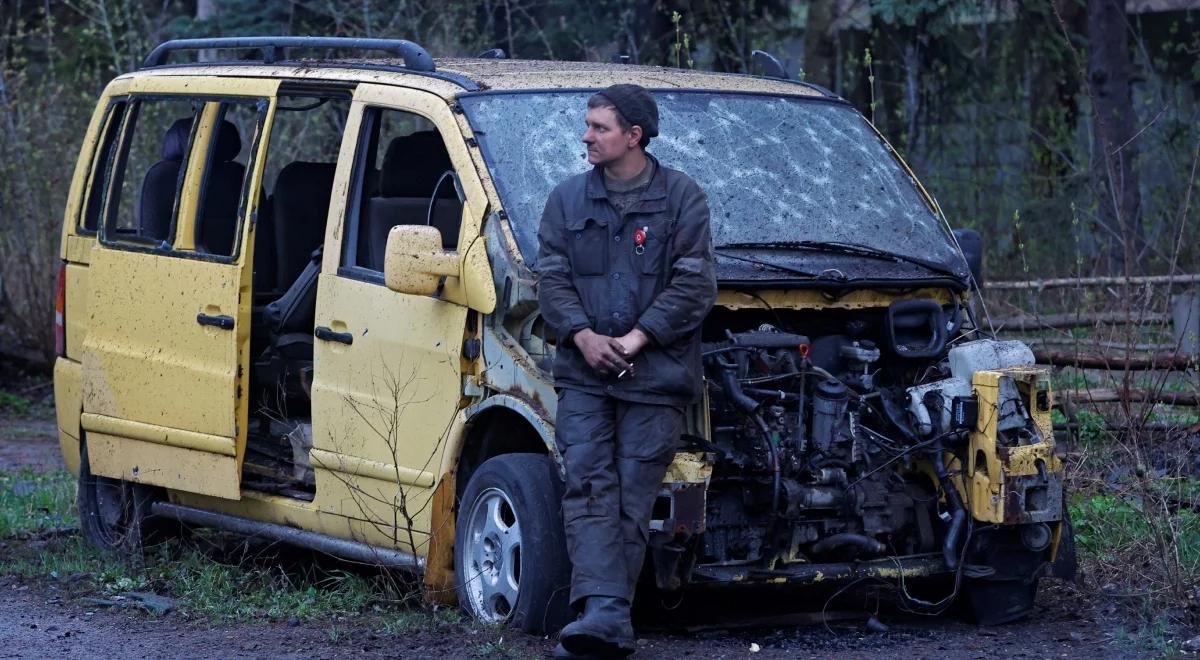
x: 476, y: 437
x: 502, y: 424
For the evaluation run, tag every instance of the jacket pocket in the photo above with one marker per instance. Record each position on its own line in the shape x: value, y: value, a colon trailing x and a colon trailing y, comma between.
x: 588, y: 238
x: 650, y: 258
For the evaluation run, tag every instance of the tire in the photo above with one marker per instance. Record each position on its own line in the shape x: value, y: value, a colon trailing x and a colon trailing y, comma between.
x: 996, y: 602
x: 510, y: 556
x: 114, y: 515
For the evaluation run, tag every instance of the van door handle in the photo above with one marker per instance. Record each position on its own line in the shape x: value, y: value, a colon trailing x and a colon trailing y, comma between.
x: 223, y: 322
x: 327, y: 334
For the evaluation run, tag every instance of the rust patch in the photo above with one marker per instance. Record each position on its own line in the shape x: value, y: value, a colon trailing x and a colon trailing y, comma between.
x: 439, y: 561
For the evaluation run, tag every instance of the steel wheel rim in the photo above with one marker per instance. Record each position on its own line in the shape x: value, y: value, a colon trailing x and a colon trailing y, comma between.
x: 491, y: 555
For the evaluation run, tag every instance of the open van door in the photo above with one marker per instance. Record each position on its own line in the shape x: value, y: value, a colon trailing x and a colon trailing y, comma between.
x: 165, y: 358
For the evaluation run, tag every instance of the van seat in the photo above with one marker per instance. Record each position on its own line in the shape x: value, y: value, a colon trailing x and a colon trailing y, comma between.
x: 412, y: 167
x: 300, y: 204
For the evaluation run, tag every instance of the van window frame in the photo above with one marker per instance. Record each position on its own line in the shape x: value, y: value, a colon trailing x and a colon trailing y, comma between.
x: 367, y: 147
x: 100, y: 165
x: 119, y: 162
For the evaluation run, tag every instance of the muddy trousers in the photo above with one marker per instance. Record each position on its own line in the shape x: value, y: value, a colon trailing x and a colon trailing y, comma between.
x: 616, y: 454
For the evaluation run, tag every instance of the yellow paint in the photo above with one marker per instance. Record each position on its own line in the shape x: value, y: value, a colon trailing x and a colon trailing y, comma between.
x: 986, y: 480
x: 76, y: 316
x: 361, y: 467
x: 389, y: 397
x: 390, y: 509
x: 300, y: 514
x: 68, y: 395
x: 415, y: 261
x: 813, y: 299
x: 688, y: 467
x: 213, y: 444
x: 161, y: 465
x: 151, y: 373
x: 87, y: 154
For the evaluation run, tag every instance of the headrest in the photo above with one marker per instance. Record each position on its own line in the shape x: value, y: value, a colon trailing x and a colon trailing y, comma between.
x: 413, y: 164
x: 175, y: 142
x: 229, y: 141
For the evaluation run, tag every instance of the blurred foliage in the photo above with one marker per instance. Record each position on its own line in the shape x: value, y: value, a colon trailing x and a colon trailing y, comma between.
x: 986, y: 100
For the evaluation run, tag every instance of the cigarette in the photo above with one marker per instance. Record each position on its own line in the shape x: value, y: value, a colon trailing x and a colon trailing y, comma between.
x: 622, y: 374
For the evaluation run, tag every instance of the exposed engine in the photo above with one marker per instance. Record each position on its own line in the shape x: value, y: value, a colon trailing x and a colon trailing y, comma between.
x: 817, y: 436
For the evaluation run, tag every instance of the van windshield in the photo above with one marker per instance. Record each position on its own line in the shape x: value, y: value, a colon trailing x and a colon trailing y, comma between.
x: 776, y: 169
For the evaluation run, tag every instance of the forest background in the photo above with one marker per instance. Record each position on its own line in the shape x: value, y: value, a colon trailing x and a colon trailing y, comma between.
x: 1065, y: 131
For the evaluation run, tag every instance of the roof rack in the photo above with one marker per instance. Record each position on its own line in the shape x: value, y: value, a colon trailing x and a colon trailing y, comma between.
x: 274, y: 49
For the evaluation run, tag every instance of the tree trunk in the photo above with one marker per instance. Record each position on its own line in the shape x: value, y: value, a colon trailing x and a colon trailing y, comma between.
x: 206, y: 10
x: 820, y: 45
x: 1114, y: 132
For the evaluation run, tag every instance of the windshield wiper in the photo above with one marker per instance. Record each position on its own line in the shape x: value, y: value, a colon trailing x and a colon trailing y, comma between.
x: 843, y: 248
x: 768, y: 264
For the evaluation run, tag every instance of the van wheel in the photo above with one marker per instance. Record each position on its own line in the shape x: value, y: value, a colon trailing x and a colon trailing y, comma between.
x: 996, y: 602
x: 510, y: 556
x: 113, y: 514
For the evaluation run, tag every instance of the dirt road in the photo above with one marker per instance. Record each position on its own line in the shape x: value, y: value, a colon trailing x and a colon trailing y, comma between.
x: 45, y: 618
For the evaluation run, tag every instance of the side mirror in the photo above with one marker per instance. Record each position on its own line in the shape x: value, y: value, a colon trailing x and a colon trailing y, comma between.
x: 414, y: 262
x: 971, y: 243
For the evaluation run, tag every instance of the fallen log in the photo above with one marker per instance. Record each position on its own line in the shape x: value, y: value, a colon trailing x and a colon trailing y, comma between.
x: 1131, y: 396
x: 1171, y: 361
x: 1089, y: 281
x: 1092, y: 345
x: 1027, y: 322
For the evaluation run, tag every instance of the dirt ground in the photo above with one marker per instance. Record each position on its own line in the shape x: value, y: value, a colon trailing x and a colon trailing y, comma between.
x: 43, y: 618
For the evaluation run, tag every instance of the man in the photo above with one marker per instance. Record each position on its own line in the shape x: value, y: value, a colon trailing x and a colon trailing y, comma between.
x: 625, y: 279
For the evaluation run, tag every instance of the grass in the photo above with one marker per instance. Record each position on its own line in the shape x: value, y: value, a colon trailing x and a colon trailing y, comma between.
x: 209, y: 574
x: 32, y: 502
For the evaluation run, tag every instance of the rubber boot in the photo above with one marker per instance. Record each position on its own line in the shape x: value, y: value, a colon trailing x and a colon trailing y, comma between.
x: 605, y: 629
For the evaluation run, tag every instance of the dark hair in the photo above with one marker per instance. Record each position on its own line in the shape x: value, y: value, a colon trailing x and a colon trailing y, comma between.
x: 599, y: 100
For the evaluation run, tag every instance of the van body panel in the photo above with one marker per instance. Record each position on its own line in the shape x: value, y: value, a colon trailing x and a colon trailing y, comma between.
x: 386, y: 399
x: 383, y: 405
x: 282, y: 510
x: 163, y: 369
x: 170, y: 375
x: 75, y: 318
x: 68, y: 401
x: 80, y: 178
x: 157, y: 464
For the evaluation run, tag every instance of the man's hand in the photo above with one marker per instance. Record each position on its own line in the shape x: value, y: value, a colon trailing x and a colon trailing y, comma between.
x: 633, y: 343
x: 603, y: 353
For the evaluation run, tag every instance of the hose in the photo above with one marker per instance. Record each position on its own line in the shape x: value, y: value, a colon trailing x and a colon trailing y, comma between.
x: 958, y: 514
x: 777, y: 486
x: 734, y: 390
x: 864, y: 543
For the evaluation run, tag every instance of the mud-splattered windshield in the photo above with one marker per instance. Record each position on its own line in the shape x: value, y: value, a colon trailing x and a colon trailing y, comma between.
x: 776, y: 169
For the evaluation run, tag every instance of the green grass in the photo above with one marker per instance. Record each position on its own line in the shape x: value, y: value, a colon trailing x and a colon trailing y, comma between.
x: 31, y: 502
x: 15, y: 404
x: 1108, y: 525
x: 227, y: 582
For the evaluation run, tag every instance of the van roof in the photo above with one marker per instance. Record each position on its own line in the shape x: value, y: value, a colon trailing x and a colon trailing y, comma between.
x: 478, y: 74
x: 504, y: 74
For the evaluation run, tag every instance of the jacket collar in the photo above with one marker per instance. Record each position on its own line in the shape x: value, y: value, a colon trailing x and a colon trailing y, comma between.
x: 653, y: 200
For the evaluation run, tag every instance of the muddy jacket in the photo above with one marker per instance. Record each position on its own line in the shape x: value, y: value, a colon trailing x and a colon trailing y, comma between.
x: 593, y: 274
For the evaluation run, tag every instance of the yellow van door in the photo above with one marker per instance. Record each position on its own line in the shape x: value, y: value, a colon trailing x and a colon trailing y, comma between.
x: 388, y: 377
x: 165, y: 356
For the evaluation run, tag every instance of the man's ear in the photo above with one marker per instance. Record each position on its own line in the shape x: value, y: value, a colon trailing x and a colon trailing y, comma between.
x: 635, y: 136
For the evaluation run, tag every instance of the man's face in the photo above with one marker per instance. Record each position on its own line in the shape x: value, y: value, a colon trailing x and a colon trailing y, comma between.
x: 605, y: 140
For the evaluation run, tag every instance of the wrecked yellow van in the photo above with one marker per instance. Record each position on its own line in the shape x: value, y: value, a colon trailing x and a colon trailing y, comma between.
x: 297, y: 301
